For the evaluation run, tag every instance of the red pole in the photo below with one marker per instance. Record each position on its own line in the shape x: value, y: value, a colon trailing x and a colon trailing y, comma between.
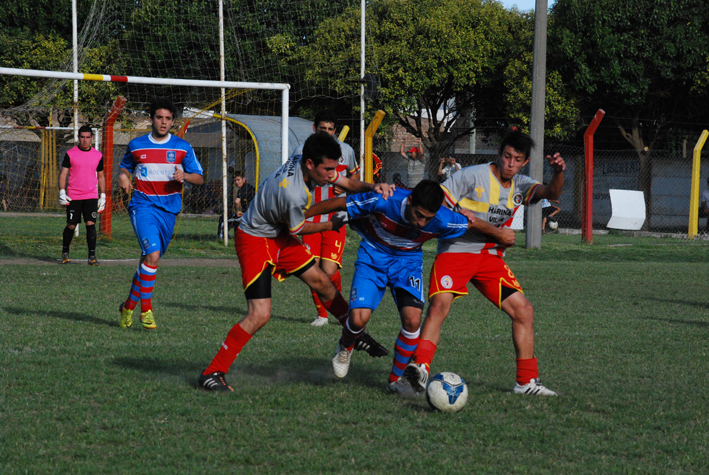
x: 107, y: 150
x: 587, y: 220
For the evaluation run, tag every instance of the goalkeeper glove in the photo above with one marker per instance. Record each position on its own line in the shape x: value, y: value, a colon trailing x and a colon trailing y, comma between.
x: 63, y: 198
x: 102, y: 202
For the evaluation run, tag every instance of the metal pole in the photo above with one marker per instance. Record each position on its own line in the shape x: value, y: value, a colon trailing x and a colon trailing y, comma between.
x: 225, y: 201
x: 361, y: 87
x: 75, y: 59
x: 536, y: 162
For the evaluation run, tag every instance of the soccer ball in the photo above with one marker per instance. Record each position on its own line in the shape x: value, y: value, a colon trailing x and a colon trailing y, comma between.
x: 447, y: 392
x: 553, y: 225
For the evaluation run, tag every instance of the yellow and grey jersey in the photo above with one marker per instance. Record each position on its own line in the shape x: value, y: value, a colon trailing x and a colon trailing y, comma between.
x: 476, y: 188
x: 280, y: 203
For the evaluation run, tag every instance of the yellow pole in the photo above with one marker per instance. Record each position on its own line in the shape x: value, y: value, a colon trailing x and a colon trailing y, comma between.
x: 368, y: 134
x: 253, y: 139
x: 343, y: 133
x: 694, y: 194
x: 42, y: 168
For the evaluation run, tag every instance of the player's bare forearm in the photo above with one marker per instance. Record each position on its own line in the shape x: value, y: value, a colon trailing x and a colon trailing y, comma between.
x: 312, y: 228
x: 327, y: 207
x: 356, y: 186
x: 101, y: 182
x: 552, y: 191
x: 124, y: 180
x: 193, y: 178
x: 62, y: 178
x: 504, y: 236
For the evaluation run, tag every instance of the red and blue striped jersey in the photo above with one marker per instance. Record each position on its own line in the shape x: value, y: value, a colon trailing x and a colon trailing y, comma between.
x: 383, y: 226
x: 154, y: 163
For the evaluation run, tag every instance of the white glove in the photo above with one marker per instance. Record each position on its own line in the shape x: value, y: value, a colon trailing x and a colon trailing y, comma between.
x: 63, y: 198
x: 102, y: 202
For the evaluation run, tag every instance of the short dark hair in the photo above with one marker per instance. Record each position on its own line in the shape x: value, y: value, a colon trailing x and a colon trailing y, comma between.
x: 86, y: 128
x: 162, y: 103
x: 428, y: 195
x: 518, y: 141
x: 237, y: 173
x: 324, y: 116
x: 321, y: 145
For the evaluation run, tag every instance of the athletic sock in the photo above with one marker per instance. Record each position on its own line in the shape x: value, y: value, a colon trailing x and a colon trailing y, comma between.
x: 147, y: 281
x: 424, y: 353
x: 134, y: 294
x: 322, y: 313
x: 91, y: 239
x: 349, y: 335
x: 67, y: 236
x: 527, y: 370
x: 404, y: 348
x: 336, y: 280
x: 338, y: 308
x: 230, y: 349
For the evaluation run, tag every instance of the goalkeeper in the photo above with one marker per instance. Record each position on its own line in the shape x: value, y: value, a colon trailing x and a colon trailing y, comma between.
x: 82, y: 170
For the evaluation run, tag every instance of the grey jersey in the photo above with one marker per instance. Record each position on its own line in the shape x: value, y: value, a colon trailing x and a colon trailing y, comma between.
x: 280, y: 203
x: 476, y: 188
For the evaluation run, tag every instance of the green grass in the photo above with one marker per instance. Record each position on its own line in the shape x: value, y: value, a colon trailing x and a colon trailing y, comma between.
x: 622, y: 335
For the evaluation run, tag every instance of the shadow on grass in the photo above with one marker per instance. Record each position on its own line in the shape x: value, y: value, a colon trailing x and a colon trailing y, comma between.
x: 698, y: 304
x: 315, y: 371
x: 74, y: 316
x: 681, y: 322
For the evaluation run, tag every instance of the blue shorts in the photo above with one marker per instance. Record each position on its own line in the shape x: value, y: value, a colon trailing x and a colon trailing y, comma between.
x: 373, y: 272
x: 153, y: 227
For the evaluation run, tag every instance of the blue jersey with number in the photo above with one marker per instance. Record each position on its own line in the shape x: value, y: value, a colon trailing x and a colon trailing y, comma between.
x: 383, y: 227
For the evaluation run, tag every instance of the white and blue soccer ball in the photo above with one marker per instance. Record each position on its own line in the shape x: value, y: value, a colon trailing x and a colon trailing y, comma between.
x: 447, y: 392
x: 553, y: 225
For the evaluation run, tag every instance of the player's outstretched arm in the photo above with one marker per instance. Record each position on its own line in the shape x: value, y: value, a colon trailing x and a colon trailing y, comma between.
x: 504, y: 236
x: 552, y: 191
x: 327, y: 207
x: 357, y: 186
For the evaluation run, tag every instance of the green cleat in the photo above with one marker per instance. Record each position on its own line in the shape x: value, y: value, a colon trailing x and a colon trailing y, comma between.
x: 147, y: 320
x: 126, y: 316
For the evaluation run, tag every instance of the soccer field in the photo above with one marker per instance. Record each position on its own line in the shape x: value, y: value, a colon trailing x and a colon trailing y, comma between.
x: 622, y: 334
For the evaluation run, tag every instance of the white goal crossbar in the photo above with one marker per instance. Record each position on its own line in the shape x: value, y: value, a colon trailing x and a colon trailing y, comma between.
x: 284, y: 88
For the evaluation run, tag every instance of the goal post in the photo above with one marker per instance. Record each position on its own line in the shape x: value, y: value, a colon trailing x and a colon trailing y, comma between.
x: 281, y: 122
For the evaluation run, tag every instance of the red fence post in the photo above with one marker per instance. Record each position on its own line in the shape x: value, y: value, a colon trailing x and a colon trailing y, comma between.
x: 587, y: 220
x: 107, y: 150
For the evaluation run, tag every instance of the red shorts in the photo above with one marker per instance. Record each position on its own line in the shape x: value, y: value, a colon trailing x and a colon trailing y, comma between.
x: 452, y: 271
x: 287, y: 254
x: 328, y: 245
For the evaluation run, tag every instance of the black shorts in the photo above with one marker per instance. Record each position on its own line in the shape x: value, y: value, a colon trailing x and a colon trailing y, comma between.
x: 547, y: 211
x: 77, y: 208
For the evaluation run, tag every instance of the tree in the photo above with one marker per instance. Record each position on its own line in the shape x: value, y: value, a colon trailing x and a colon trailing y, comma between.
x: 640, y: 60
x: 437, y: 60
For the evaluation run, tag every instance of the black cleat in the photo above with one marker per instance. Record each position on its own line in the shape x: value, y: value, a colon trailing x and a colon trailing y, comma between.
x: 93, y: 261
x: 65, y: 258
x: 213, y: 382
x: 366, y: 343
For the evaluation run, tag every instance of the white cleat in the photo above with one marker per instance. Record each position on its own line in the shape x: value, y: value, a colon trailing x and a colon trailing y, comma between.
x: 417, y: 376
x: 402, y: 387
x: 533, y: 388
x: 341, y: 361
x: 319, y: 321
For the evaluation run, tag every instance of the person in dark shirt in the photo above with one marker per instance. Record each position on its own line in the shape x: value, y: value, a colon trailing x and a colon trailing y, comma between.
x: 244, y: 195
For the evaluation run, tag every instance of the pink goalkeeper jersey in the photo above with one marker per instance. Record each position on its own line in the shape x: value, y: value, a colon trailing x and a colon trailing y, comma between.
x: 83, y: 179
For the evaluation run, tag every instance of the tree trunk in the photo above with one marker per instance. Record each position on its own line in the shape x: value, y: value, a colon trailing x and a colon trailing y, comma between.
x: 645, y: 184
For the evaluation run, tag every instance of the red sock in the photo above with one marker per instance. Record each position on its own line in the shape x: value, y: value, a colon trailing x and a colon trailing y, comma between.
x: 322, y: 313
x: 527, y: 370
x: 338, y: 308
x: 235, y: 341
x: 424, y: 353
x: 336, y: 280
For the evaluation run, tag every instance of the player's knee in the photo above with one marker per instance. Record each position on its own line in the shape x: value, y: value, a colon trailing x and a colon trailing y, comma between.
x: 71, y: 226
x: 521, y: 310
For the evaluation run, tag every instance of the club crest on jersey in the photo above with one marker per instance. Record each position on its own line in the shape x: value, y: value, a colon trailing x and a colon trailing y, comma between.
x: 171, y: 156
x: 446, y: 282
x: 517, y: 199
x: 143, y: 172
